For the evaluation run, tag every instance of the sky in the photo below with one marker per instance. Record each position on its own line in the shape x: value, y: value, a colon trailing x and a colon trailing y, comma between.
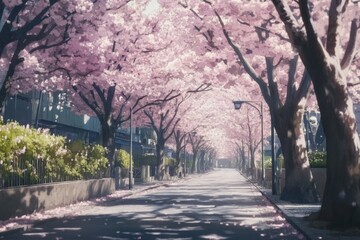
x: 152, y: 7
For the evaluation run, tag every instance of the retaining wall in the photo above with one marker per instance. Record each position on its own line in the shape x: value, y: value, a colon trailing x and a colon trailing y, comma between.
x: 24, y: 200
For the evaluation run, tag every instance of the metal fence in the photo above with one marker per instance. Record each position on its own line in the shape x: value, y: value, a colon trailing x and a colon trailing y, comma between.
x: 137, y: 172
x: 31, y: 172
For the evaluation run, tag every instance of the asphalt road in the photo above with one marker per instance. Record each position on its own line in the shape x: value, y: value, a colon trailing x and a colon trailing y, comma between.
x: 217, y: 205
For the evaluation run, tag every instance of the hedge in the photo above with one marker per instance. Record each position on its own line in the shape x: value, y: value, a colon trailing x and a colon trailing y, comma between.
x: 23, y: 147
x: 317, y: 160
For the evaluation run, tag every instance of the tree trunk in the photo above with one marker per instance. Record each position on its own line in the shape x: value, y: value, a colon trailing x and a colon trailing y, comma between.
x: 179, y: 140
x: 6, y: 84
x: 107, y: 135
x: 160, y: 161
x: 243, y: 159
x: 299, y: 183
x: 252, y: 170
x: 3, y: 94
x: 328, y: 71
x: 341, y: 199
x: 194, y: 163
x: 178, y: 163
x: 202, y: 162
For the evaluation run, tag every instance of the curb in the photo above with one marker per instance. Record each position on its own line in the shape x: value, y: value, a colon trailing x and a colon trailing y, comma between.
x: 288, y: 218
x: 279, y: 210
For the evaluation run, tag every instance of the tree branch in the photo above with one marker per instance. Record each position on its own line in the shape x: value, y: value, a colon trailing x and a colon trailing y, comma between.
x: 273, y: 87
x: 202, y: 88
x: 152, y: 122
x: 353, y: 84
x: 248, y: 68
x: 64, y: 40
x: 280, y: 36
x: 120, y: 6
x: 99, y: 92
x: 296, y: 35
x: 350, y: 49
x: 304, y: 87
x: 333, y: 41
x: 291, y: 78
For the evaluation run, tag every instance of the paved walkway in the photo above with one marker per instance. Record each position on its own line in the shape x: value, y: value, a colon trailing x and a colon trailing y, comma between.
x: 219, y: 205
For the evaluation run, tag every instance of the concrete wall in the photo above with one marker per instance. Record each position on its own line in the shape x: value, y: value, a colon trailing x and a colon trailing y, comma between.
x: 319, y: 175
x: 24, y: 200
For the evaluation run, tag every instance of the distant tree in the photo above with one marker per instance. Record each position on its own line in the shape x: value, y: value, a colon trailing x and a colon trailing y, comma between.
x: 180, y: 145
x: 164, y: 121
x: 164, y: 124
x: 196, y: 143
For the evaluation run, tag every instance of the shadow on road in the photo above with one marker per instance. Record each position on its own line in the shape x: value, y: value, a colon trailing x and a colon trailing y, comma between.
x: 183, y: 211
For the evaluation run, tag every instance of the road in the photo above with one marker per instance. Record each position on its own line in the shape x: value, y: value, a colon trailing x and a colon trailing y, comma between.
x: 217, y: 205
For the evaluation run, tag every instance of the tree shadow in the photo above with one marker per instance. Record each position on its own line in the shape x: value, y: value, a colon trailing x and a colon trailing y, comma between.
x: 172, y: 214
x: 19, y: 201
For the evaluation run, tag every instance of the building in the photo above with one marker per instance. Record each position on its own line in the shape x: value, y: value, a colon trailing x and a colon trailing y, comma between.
x: 53, y: 111
x: 143, y: 140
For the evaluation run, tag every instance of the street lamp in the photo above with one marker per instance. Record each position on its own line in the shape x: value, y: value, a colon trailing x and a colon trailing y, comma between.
x: 184, y: 156
x: 131, y: 148
x: 237, y: 105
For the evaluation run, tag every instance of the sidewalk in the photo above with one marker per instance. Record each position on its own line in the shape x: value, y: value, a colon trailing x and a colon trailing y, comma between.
x: 295, y: 213
x: 218, y: 205
x: 32, y: 220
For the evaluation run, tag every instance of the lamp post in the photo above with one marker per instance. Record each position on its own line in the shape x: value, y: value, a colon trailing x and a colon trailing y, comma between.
x: 273, y: 170
x: 184, y: 156
x: 237, y: 105
x: 38, y: 109
x: 131, y: 148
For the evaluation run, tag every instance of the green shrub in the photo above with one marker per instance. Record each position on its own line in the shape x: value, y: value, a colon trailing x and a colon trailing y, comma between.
x: 170, y: 161
x: 95, y: 160
x: 22, y: 149
x: 145, y: 160
x: 123, y: 159
x: 150, y: 160
x: 317, y: 159
x: 23, y: 144
x: 267, y: 161
x: 84, y: 161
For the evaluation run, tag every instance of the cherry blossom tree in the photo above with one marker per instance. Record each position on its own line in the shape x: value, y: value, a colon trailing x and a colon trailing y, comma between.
x: 211, y: 156
x: 164, y: 122
x: 196, y: 143
x: 206, y: 158
x: 240, y: 155
x: 180, y: 145
x: 108, y: 73
x: 252, y: 140
x: 30, y: 26
x: 328, y: 57
x: 213, y: 117
x: 271, y: 64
